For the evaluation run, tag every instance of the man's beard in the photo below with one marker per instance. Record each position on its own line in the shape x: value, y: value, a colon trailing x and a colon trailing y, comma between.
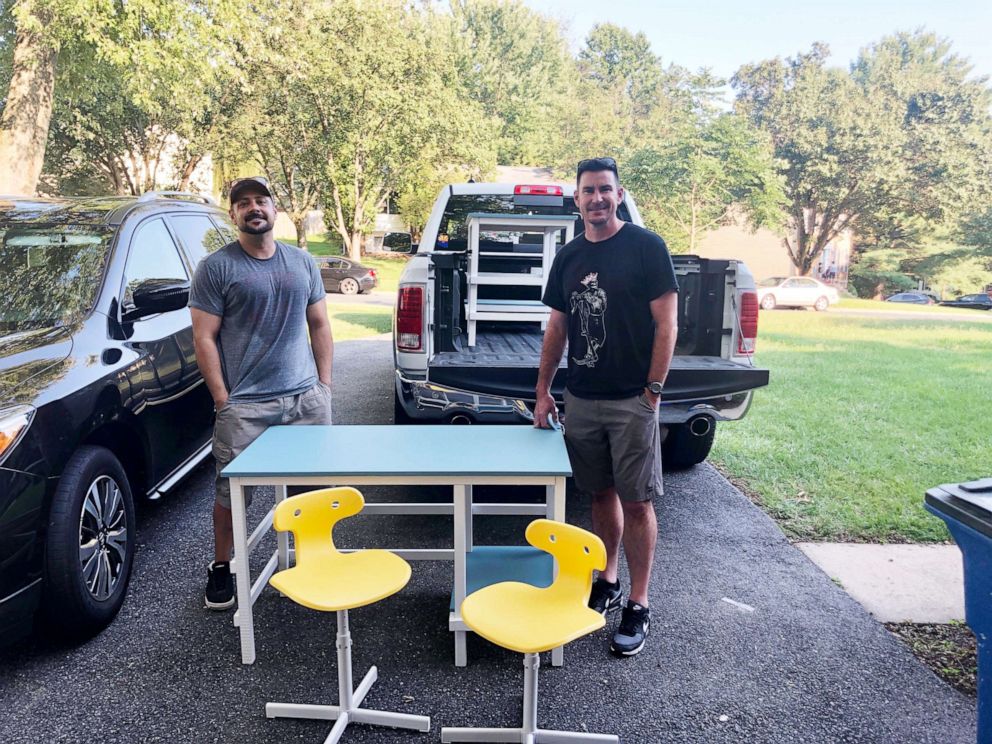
x: 265, y: 227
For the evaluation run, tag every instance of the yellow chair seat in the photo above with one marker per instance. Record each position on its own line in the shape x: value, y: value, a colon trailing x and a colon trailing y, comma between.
x: 343, y: 581
x: 528, y: 619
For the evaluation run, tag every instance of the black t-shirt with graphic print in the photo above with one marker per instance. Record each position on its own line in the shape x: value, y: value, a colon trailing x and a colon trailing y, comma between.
x: 605, y: 290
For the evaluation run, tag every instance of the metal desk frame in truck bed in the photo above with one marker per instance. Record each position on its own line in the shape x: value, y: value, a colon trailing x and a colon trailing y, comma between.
x: 479, y: 309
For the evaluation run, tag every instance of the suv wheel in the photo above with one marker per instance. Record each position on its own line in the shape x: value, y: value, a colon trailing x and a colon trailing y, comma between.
x: 90, y: 546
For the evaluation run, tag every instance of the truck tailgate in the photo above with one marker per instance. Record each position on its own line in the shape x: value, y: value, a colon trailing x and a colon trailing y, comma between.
x: 505, y: 365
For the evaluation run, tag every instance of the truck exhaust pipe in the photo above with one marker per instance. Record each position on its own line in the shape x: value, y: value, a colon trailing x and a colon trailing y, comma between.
x: 460, y: 419
x: 700, y: 426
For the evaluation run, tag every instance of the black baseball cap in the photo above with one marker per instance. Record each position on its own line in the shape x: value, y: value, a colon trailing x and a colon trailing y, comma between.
x: 252, y: 183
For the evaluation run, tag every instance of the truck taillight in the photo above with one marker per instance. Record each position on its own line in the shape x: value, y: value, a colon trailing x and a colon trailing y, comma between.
x: 538, y: 190
x: 749, y: 322
x: 410, y: 319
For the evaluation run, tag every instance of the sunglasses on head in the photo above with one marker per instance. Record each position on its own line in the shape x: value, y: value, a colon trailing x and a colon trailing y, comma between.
x: 597, y: 164
x: 258, y: 179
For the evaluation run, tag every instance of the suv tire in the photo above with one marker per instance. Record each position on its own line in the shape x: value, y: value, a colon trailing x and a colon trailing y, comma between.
x: 89, y: 550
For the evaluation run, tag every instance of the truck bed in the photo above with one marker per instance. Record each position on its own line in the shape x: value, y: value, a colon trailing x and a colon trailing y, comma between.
x: 504, y: 363
x: 513, y: 347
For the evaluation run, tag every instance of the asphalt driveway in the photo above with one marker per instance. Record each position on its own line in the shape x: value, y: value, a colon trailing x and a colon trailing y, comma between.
x: 750, y: 641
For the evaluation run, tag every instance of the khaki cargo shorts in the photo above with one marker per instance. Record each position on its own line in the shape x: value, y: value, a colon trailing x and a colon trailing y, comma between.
x: 239, y: 424
x: 614, y: 443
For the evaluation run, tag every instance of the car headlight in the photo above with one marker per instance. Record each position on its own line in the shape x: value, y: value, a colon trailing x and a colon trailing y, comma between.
x: 13, y: 423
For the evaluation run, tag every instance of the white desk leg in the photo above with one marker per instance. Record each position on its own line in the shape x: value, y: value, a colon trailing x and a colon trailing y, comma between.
x: 242, y: 574
x: 282, y: 538
x: 461, y: 505
x: 555, y: 500
x: 469, y: 539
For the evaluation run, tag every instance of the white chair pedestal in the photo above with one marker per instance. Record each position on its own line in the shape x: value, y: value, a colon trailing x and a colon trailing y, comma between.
x: 528, y: 733
x: 350, y: 698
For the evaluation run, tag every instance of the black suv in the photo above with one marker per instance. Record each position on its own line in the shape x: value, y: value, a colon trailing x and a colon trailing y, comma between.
x: 101, y: 401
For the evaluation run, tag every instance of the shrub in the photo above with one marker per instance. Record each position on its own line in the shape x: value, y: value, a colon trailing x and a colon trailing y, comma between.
x: 878, y: 284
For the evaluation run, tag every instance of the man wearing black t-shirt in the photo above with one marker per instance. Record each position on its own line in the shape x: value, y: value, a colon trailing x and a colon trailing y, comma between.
x: 613, y: 297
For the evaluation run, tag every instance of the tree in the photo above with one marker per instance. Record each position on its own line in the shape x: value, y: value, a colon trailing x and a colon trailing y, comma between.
x: 872, y: 149
x: 718, y: 170
x: 945, y: 122
x: 276, y: 133
x: 28, y: 105
x: 163, y: 55
x: 382, y: 90
x: 623, y: 100
x: 515, y: 63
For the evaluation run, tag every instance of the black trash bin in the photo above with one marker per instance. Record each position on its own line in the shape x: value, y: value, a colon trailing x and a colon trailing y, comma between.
x: 967, y: 510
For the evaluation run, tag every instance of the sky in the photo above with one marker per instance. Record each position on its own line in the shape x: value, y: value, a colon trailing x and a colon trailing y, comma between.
x: 722, y: 34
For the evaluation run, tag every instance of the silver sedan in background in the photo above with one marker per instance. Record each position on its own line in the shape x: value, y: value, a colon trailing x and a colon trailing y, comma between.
x: 796, y: 291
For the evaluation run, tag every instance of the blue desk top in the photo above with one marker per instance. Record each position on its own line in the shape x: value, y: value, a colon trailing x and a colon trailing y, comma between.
x: 403, y: 450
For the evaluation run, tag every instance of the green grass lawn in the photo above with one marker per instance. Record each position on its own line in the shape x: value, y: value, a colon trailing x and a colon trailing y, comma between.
x: 349, y: 322
x: 861, y: 416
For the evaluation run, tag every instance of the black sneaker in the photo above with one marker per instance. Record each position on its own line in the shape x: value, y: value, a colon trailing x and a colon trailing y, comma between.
x: 605, y: 597
x: 635, y: 622
x: 220, y: 587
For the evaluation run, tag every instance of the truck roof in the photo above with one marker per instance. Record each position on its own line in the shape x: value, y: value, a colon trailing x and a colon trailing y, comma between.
x: 503, y: 187
x: 507, y: 187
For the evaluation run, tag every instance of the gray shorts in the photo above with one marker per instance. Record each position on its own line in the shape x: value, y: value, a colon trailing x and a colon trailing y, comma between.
x: 239, y: 424
x: 614, y: 443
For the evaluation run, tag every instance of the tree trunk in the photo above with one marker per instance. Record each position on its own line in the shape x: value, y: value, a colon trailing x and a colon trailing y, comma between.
x: 355, y: 252
x: 187, y: 172
x: 27, y: 114
x: 300, y: 223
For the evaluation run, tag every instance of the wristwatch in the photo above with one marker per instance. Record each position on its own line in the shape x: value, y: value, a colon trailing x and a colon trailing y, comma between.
x: 656, y: 387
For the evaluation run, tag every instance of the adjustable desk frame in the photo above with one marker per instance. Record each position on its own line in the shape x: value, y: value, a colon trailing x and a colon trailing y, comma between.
x: 511, y: 310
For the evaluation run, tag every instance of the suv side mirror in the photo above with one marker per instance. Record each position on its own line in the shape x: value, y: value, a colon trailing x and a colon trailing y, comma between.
x: 154, y: 296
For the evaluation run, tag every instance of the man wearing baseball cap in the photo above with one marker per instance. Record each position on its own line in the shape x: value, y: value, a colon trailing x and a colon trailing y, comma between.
x: 253, y: 302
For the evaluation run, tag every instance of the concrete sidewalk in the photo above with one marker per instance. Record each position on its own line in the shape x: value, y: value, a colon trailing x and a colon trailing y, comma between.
x: 896, y: 583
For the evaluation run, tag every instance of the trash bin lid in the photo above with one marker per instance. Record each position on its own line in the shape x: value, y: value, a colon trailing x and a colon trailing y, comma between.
x: 970, y: 503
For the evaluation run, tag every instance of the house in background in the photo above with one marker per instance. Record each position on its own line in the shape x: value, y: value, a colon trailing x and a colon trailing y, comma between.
x: 765, y: 254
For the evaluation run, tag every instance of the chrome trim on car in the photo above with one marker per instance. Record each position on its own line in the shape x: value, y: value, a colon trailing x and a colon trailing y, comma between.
x: 424, y: 400
x: 20, y: 591
x: 181, y: 472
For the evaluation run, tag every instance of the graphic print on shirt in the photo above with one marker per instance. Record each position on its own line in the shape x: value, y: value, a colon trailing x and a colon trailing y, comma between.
x: 590, y: 306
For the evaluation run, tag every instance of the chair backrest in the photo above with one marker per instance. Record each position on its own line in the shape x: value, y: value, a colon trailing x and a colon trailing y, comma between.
x: 578, y: 552
x: 311, y: 518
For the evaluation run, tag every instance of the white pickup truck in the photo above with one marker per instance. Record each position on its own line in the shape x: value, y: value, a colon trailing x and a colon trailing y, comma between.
x: 441, y: 379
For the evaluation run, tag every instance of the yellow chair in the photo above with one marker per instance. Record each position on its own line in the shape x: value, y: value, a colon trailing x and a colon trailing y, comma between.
x: 530, y: 620
x: 330, y: 581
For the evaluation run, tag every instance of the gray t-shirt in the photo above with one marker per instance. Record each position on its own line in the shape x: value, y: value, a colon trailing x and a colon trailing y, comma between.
x: 263, y: 343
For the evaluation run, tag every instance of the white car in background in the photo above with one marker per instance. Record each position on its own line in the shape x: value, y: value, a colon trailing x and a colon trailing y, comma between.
x: 796, y: 291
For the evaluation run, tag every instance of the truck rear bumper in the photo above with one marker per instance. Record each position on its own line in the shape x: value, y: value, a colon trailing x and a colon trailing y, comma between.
x: 428, y: 401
